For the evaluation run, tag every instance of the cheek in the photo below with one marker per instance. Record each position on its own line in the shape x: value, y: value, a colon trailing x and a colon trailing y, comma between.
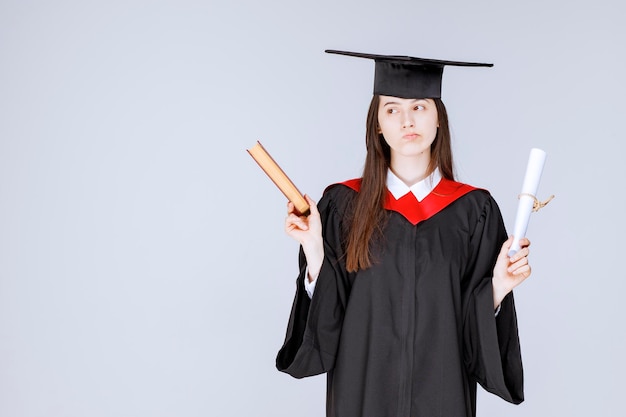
x: 383, y: 125
x: 430, y: 124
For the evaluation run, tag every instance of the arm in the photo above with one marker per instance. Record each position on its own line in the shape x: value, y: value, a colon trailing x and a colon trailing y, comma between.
x: 314, y: 325
x: 491, y: 344
x: 308, y: 232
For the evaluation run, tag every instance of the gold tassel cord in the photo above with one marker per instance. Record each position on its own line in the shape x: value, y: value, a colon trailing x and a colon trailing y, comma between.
x: 537, y: 205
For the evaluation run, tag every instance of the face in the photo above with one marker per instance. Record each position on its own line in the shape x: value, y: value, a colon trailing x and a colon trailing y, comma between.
x: 408, y: 125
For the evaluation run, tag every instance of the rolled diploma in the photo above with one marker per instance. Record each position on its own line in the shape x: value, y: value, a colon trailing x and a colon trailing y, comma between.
x: 536, y: 160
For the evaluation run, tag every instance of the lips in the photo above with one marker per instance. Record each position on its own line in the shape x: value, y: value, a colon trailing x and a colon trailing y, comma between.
x: 410, y: 136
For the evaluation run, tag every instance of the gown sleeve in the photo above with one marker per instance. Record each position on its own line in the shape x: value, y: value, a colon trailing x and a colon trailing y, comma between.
x: 315, y: 323
x: 491, y: 344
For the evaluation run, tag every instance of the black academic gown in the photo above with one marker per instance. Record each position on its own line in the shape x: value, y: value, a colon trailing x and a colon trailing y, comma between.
x: 413, y: 334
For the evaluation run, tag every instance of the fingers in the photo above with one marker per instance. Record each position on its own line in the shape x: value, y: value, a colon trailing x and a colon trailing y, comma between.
x: 293, y: 222
x: 522, y: 253
x: 523, y: 271
x: 296, y: 222
x: 518, y: 263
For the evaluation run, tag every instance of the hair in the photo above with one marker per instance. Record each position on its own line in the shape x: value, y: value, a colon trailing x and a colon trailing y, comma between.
x: 367, y: 219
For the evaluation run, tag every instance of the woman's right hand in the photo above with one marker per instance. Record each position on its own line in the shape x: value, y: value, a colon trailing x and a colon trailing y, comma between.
x: 307, y: 230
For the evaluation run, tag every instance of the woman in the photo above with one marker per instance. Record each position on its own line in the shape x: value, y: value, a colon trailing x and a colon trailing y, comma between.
x: 404, y: 294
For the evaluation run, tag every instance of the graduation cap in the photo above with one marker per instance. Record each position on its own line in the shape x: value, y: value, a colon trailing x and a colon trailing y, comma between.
x: 406, y: 76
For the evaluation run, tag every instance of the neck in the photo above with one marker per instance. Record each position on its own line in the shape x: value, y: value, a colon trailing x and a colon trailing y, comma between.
x: 411, y: 170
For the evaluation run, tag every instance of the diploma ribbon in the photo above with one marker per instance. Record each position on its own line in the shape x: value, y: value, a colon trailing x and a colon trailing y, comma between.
x: 537, y: 205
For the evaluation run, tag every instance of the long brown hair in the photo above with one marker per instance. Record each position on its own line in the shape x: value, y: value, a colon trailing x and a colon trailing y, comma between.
x: 367, y: 219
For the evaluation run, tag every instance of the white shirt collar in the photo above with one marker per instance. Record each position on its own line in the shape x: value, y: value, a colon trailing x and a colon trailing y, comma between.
x: 420, y: 190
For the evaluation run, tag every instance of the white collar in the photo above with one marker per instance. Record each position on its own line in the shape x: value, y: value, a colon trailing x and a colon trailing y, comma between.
x: 420, y: 190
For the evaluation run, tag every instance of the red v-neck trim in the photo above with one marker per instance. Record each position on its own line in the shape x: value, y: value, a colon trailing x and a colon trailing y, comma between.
x: 444, y: 194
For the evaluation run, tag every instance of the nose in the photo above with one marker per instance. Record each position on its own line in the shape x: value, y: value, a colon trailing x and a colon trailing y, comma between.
x: 407, y: 121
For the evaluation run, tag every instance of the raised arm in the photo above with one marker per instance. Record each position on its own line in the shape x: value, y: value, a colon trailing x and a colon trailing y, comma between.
x: 307, y: 230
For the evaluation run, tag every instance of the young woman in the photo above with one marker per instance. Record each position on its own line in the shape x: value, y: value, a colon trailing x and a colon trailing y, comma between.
x: 404, y: 294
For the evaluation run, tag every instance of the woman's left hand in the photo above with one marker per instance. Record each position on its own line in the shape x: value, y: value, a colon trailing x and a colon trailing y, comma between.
x: 510, y: 272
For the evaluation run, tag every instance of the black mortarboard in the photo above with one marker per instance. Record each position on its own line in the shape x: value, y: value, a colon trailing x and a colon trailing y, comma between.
x: 408, y: 77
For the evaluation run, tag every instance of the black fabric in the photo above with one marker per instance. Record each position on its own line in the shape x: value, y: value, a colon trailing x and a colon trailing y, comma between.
x: 407, y: 81
x: 406, y: 76
x: 412, y: 335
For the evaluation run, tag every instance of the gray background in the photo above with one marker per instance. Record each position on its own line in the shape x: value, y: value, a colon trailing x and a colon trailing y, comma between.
x: 144, y: 270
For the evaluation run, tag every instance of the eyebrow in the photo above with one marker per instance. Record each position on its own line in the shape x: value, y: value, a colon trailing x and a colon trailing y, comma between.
x: 397, y: 103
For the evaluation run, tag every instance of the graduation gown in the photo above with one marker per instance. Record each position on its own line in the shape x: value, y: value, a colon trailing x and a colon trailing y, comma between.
x: 412, y: 335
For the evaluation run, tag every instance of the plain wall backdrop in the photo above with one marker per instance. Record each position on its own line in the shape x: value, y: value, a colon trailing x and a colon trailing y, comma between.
x: 144, y: 270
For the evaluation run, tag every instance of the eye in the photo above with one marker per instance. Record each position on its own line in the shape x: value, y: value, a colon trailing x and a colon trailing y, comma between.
x: 392, y: 111
x: 418, y: 107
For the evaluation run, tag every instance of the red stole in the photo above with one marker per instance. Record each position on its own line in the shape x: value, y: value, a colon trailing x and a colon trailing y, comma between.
x: 444, y: 194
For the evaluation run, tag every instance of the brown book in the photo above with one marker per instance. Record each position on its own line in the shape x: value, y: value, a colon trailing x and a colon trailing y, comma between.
x: 278, y: 176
